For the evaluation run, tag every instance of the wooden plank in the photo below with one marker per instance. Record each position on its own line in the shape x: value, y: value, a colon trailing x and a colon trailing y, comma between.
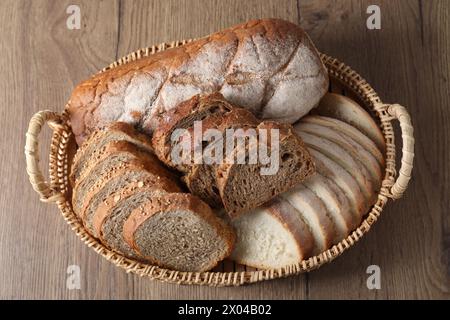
x: 41, y: 62
x: 407, y: 241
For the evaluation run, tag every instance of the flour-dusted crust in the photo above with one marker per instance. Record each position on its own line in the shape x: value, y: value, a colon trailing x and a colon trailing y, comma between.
x: 268, y: 66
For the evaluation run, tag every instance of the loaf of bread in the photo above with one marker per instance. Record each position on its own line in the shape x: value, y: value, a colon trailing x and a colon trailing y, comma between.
x: 237, y: 185
x: 328, y: 205
x: 268, y: 66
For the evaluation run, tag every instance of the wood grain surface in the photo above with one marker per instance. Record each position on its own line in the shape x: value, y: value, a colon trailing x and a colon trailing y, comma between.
x: 407, y: 61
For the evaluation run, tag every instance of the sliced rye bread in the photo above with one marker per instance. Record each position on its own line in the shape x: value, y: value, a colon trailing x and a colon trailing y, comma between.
x: 351, y: 146
x: 178, y: 231
x: 343, y: 158
x: 242, y: 186
x: 198, y: 108
x: 115, y: 201
x: 114, y: 180
x: 201, y: 178
x: 272, y: 236
x: 111, y: 215
x: 316, y: 216
x: 349, y: 131
x: 335, y: 203
x: 345, y: 109
x: 98, y: 139
x: 333, y: 171
x: 113, y: 154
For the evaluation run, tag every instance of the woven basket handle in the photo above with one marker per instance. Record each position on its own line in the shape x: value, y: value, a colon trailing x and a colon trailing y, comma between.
x: 399, y: 112
x: 55, y: 122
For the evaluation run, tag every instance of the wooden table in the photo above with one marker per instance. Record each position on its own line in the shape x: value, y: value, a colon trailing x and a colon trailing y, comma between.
x: 407, y: 61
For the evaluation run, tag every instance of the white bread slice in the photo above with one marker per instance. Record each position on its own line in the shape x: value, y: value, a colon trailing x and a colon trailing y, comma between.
x: 351, y: 146
x: 315, y: 214
x: 333, y: 171
x: 335, y: 202
x: 345, y: 109
x: 271, y: 237
x: 349, y: 131
x: 343, y: 158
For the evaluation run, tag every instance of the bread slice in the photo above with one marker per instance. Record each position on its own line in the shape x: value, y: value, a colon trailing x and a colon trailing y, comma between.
x: 97, y: 140
x: 201, y: 178
x: 180, y: 232
x: 349, y: 131
x: 114, y: 180
x: 315, y: 214
x: 242, y: 186
x: 335, y: 203
x: 112, y: 155
x: 198, y: 108
x: 333, y: 171
x: 272, y: 236
x: 345, y: 109
x: 110, y: 216
x: 342, y: 157
x: 351, y: 146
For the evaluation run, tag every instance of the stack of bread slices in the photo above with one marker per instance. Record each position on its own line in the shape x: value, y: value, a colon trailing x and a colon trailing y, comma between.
x: 126, y: 198
x: 325, y: 208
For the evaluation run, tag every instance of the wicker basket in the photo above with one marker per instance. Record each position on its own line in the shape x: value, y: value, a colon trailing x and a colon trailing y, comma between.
x: 343, y: 80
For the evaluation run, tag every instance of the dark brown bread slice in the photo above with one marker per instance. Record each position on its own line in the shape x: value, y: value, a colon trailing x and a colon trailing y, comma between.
x: 110, y: 218
x: 98, y: 139
x: 116, y: 153
x: 242, y: 186
x: 114, y: 180
x: 183, y: 116
x: 115, y: 201
x: 201, y: 178
x: 180, y: 232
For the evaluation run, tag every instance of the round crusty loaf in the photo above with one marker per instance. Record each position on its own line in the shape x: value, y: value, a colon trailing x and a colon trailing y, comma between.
x: 178, y: 231
x: 268, y: 66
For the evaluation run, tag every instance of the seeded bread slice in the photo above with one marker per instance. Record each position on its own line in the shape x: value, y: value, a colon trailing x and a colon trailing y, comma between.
x: 180, y: 232
x: 109, y: 219
x: 345, y: 109
x: 113, y: 154
x: 98, y: 139
x: 272, y: 236
x: 114, y: 180
x: 198, y: 108
x: 349, y: 131
x: 242, y: 186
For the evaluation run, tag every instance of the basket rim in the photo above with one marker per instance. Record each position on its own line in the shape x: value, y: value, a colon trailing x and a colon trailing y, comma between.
x: 338, y: 71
